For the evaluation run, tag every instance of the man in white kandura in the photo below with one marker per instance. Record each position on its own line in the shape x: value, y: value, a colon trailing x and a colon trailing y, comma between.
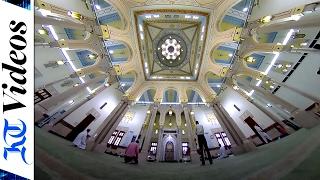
x: 81, y: 139
x: 266, y: 138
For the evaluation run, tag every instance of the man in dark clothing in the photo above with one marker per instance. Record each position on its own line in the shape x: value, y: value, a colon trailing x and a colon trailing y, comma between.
x: 202, y: 143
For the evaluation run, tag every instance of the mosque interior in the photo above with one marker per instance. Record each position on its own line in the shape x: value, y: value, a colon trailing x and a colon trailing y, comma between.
x: 147, y: 70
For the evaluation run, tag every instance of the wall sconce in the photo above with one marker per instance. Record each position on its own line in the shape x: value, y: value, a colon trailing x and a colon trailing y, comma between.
x: 183, y: 131
x: 156, y: 131
x: 192, y: 113
x: 43, y: 31
x: 148, y: 112
x: 266, y: 19
x: 75, y: 15
x: 250, y: 59
x: 92, y: 56
x: 170, y: 124
x: 128, y: 117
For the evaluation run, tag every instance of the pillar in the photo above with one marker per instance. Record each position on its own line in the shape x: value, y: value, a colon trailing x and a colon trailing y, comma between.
x: 243, y: 144
x: 195, y: 158
x: 53, y: 101
x: 271, y: 115
x: 105, y: 127
x: 148, y: 134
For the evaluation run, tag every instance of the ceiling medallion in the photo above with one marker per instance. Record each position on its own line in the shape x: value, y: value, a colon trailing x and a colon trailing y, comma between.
x: 170, y: 49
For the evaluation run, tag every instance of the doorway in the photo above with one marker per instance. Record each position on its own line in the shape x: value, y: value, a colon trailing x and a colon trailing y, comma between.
x: 251, y: 123
x: 169, y: 152
x: 80, y: 127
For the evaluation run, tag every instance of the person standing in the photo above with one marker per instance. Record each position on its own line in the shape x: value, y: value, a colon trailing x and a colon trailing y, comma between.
x: 81, y: 140
x: 202, y: 143
x: 132, y: 152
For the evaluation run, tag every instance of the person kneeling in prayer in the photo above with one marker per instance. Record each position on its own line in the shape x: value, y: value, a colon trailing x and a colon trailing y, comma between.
x: 132, y: 152
x: 222, y: 152
x: 81, y: 139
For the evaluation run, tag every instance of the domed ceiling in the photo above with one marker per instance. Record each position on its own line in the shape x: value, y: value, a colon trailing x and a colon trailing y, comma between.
x: 171, y: 43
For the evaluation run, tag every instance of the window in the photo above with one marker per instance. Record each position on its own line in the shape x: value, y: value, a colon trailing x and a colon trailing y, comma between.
x: 153, y: 148
x: 223, y: 139
x: 113, y: 136
x: 116, y: 138
x: 185, y: 148
x: 41, y: 95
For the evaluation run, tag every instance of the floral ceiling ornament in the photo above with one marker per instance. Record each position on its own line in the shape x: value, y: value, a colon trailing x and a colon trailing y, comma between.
x: 171, y: 49
x: 212, y: 119
x: 128, y: 117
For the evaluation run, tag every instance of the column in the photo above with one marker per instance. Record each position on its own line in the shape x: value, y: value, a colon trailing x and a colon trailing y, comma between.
x: 244, y: 145
x: 225, y: 127
x: 50, y: 103
x: 178, y: 111
x: 195, y: 158
x: 105, y: 127
x: 275, y: 99
x: 271, y: 115
x: 160, y: 144
x: 311, y: 97
x: 148, y: 136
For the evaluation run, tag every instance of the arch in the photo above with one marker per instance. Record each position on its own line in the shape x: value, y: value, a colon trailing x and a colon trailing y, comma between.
x: 120, y: 52
x: 109, y: 14
x: 170, y: 95
x: 214, y: 81
x: 223, y: 53
x: 194, y: 96
x: 127, y: 81
x: 83, y: 58
x: 169, y: 138
x: 147, y: 95
x: 235, y: 16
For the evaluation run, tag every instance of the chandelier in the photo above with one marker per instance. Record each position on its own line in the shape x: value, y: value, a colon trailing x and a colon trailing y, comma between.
x: 171, y: 49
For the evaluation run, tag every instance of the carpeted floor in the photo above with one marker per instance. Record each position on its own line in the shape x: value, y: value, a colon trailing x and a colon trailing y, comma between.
x: 54, y: 151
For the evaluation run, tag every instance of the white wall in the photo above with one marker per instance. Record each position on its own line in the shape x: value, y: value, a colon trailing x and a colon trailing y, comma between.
x: 42, y: 56
x: 74, y: 5
x: 110, y: 95
x: 229, y: 98
x: 270, y: 7
x: 134, y: 126
x: 304, y: 78
x: 200, y: 113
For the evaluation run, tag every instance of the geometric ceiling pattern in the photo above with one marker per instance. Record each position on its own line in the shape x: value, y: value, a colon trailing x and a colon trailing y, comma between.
x: 171, y: 43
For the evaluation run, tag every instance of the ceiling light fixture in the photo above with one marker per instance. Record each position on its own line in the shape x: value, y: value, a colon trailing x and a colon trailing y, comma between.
x: 140, y: 28
x: 195, y: 17
x: 44, y: 12
x: 187, y: 16
x: 43, y: 31
x: 266, y: 19
x: 60, y: 62
x: 97, y: 7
